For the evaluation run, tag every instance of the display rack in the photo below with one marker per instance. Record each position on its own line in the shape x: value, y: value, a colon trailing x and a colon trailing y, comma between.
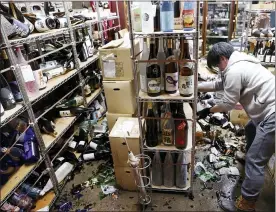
x: 142, y: 97
x: 45, y: 141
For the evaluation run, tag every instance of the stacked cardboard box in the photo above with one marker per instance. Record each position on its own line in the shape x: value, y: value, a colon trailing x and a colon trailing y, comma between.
x: 123, y: 171
x: 118, y: 79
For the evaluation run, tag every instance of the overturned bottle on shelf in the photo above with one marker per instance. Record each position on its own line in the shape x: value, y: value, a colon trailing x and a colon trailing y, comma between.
x: 21, y: 200
x: 74, y: 102
x: 169, y: 171
x: 31, y: 191
x: 168, y: 127
x: 181, y: 128
x: 151, y: 127
x: 157, y: 171
x: 153, y: 72
x: 72, y: 111
x: 181, y: 172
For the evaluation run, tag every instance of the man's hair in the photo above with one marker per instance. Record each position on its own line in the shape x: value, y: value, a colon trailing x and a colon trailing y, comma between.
x: 218, y: 50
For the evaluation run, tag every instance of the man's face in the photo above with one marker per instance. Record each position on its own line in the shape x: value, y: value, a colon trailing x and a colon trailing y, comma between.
x: 223, y: 63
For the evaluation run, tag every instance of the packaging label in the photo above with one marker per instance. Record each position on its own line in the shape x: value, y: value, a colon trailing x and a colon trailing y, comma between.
x: 27, y: 73
x: 143, y: 83
x: 188, y: 15
x: 154, y: 85
x: 273, y: 59
x: 171, y: 81
x: 267, y: 58
x: 89, y: 46
x: 186, y: 84
x: 260, y: 57
x: 41, y: 26
x: 167, y: 135
x: 65, y: 113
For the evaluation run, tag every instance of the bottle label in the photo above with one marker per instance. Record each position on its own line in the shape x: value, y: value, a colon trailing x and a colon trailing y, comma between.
x: 273, y: 59
x: 89, y: 46
x: 167, y: 136
x: 27, y: 73
x: 60, y: 159
x: 93, y: 145
x: 65, y: 113
x: 167, y: 20
x: 143, y: 83
x: 72, y: 144
x: 85, y: 49
x: 79, y: 100
x: 267, y: 58
x: 90, y: 156
x: 154, y: 85
x: 180, y: 127
x: 186, y: 85
x: 41, y: 26
x: 171, y: 81
x: 82, y: 143
x: 260, y: 57
x: 188, y: 15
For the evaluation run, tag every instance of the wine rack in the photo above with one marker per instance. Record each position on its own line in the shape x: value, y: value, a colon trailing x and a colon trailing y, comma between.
x: 143, y: 97
x: 46, y: 142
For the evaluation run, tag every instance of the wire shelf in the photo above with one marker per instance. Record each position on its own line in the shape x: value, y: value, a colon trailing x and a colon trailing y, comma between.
x: 11, y: 114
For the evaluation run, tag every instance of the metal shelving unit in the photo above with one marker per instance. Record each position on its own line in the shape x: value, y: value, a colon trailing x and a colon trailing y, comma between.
x: 142, y: 97
x: 46, y: 142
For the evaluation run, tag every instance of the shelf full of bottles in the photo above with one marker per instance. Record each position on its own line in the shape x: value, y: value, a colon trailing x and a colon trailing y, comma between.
x: 166, y: 91
x: 49, y: 83
x: 259, y: 39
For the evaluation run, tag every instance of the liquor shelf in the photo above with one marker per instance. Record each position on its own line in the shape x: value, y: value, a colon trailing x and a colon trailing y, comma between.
x: 144, y: 97
x: 45, y: 201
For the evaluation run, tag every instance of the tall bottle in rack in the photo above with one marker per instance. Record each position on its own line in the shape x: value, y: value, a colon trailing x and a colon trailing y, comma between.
x: 167, y: 16
x: 153, y: 72
x: 188, y: 15
x: 27, y: 72
x: 168, y: 126
x: 157, y: 171
x: 151, y: 127
x: 181, y: 128
x: 143, y: 67
x: 157, y: 18
x: 169, y: 171
x: 161, y: 56
x: 186, y: 78
x: 181, y: 172
x: 88, y: 42
x: 171, y: 74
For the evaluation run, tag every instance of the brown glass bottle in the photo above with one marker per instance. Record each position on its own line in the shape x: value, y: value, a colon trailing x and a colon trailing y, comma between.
x: 171, y: 75
x: 186, y: 77
x: 181, y: 128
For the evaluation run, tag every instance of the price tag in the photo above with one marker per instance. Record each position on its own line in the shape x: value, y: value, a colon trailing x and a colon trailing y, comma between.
x: 27, y: 73
x: 109, y: 68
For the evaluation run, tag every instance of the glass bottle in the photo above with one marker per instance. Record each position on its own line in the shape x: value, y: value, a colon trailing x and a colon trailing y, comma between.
x: 88, y: 42
x: 171, y: 74
x: 157, y: 18
x: 181, y: 128
x: 161, y: 56
x: 6, y: 96
x: 151, y: 127
x: 168, y: 127
x: 169, y: 171
x: 143, y: 68
x: 181, y: 172
x: 153, y: 73
x: 186, y: 78
x: 167, y: 16
x: 156, y: 170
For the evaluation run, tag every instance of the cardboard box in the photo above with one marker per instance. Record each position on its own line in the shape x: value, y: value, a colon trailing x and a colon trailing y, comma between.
x: 112, y: 118
x: 125, y: 178
x: 115, y: 60
x: 120, y: 96
x: 118, y: 145
x: 238, y: 115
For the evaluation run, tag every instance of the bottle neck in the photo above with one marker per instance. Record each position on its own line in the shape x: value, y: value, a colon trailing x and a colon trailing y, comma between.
x: 161, y: 45
x: 152, y: 50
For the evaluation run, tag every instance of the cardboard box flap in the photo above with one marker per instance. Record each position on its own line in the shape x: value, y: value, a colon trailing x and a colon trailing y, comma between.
x: 113, y: 44
x: 124, y: 125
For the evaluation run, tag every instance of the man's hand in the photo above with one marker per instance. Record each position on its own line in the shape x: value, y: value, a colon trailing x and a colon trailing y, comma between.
x: 203, y: 113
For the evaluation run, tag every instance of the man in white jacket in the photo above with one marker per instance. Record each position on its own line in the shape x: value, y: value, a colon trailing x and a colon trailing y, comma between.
x: 246, y: 81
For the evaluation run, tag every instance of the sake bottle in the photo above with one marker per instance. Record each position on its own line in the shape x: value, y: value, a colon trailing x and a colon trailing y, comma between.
x: 168, y: 171
x: 181, y: 171
x: 157, y: 172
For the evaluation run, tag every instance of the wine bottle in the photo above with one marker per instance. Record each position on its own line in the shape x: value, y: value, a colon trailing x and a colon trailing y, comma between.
x: 58, y: 162
x: 168, y: 127
x: 87, y: 38
x: 72, y: 145
x: 1, y: 110
x: 157, y: 17
x: 273, y: 53
x: 178, y: 23
x: 143, y: 67
x: 181, y: 128
x: 81, y: 46
x: 167, y: 16
x: 47, y: 126
x: 157, y: 171
x: 74, y: 102
x: 151, y: 127
x: 21, y: 200
x: 32, y: 192
x: 161, y: 56
x: 260, y: 54
x: 186, y: 78
x: 95, y: 155
x: 181, y: 172
x: 99, y: 146
x: 153, y: 73
x: 171, y: 74
x: 6, y: 97
x: 27, y: 72
x: 72, y: 111
x: 169, y: 171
